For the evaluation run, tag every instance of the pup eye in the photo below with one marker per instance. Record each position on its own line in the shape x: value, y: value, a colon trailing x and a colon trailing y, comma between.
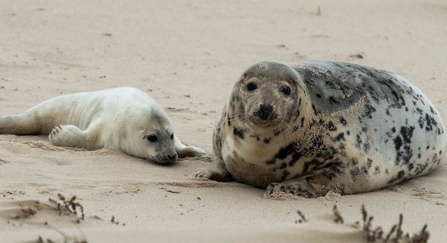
x: 172, y: 136
x: 285, y: 90
x: 251, y: 86
x: 152, y: 138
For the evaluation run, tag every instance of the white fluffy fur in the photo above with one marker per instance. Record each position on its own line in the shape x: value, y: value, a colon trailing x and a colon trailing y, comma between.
x: 120, y: 118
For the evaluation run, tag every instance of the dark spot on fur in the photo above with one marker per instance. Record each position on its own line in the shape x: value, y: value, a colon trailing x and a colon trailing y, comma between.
x: 255, y: 137
x: 407, y: 133
x: 419, y: 111
x: 377, y: 170
x: 285, y: 151
x: 331, y: 126
x: 333, y: 101
x: 369, y: 109
x: 358, y: 141
x: 310, y: 165
x: 239, y: 132
x: 317, y: 142
x: 340, y: 136
x: 421, y: 122
x: 364, y: 170
x: 430, y: 122
x: 354, y: 173
x: 285, y: 173
x: 277, y: 133
x: 295, y: 157
x: 271, y: 162
x: 398, y: 143
x: 398, y: 178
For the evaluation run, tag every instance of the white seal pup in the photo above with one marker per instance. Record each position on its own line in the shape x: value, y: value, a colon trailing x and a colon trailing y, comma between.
x: 311, y: 127
x: 125, y: 119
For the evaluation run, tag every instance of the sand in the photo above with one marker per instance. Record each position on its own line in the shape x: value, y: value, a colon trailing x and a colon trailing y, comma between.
x: 187, y: 56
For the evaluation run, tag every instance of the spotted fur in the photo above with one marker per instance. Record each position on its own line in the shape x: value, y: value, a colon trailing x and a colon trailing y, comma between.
x: 311, y: 127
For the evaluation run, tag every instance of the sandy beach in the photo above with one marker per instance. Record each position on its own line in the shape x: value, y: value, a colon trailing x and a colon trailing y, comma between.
x: 187, y: 55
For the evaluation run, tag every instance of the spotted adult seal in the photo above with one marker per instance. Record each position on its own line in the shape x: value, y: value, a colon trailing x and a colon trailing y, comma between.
x: 311, y: 127
x: 125, y: 119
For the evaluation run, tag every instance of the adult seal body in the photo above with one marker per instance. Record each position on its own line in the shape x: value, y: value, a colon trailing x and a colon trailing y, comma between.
x: 311, y: 127
x: 125, y: 119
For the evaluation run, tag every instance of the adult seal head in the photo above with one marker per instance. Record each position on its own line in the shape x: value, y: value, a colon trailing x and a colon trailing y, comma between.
x: 125, y: 119
x: 311, y: 127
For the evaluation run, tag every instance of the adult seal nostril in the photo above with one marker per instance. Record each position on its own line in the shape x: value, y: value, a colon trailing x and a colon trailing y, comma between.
x: 265, y: 111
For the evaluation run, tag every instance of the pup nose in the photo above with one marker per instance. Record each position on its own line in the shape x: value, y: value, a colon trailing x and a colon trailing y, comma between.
x: 265, y: 111
x: 172, y: 156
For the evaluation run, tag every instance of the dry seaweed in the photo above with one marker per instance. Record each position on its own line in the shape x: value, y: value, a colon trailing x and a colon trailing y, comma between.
x: 376, y: 235
x: 70, y: 205
x: 302, y: 218
x: 338, y: 217
x: 395, y: 235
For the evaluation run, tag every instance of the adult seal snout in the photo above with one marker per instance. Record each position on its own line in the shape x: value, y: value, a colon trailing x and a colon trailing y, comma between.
x: 311, y: 127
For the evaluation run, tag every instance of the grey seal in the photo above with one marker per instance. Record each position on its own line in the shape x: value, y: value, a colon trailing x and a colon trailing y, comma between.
x: 312, y: 127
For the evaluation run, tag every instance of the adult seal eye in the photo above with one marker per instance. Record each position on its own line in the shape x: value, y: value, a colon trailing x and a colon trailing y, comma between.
x: 172, y: 136
x: 251, y: 86
x: 285, y: 90
x: 152, y: 138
